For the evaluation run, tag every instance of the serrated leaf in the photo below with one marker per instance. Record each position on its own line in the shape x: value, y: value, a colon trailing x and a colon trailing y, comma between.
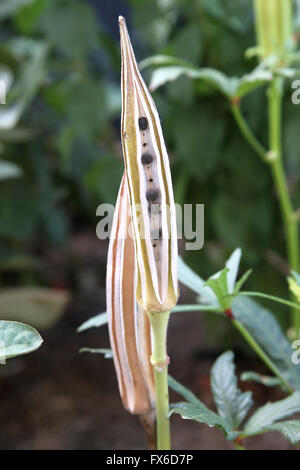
x: 202, y: 414
x: 272, y: 412
x: 232, y: 404
x: 94, y: 322
x: 261, y: 379
x: 106, y: 352
x: 264, y: 328
x: 17, y: 339
x: 218, y: 284
x: 289, y: 429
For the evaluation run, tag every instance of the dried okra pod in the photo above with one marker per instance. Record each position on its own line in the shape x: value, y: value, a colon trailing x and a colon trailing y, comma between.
x: 150, y: 188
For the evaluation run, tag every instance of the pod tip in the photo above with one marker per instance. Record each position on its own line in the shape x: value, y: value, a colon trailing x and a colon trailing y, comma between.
x: 121, y: 20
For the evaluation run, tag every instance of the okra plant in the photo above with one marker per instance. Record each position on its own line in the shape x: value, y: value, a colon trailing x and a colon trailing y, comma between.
x: 142, y: 268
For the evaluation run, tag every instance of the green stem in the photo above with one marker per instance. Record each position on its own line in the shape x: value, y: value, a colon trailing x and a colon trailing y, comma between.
x: 247, y: 133
x: 259, y: 351
x: 197, y: 308
x: 290, y: 223
x: 159, y: 360
x: 238, y: 446
x: 271, y: 297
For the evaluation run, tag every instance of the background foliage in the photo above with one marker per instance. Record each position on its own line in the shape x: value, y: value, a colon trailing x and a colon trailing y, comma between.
x: 64, y: 63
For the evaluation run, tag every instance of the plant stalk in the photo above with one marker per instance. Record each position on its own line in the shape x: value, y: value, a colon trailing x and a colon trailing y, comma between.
x: 290, y: 222
x: 247, y: 132
x: 160, y: 360
x: 260, y: 352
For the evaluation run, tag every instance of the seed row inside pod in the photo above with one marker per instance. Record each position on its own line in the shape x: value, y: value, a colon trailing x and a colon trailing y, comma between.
x: 150, y: 188
x: 152, y: 192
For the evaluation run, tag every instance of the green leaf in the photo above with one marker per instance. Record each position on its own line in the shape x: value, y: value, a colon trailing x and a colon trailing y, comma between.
x: 242, y: 281
x: 265, y: 329
x: 94, y: 322
x: 10, y: 7
x: 70, y: 26
x: 9, y: 170
x: 232, y: 404
x: 214, y: 78
x: 253, y: 80
x: 290, y: 430
x: 161, y: 59
x: 183, y: 391
x: 296, y: 277
x: 106, y: 352
x: 17, y: 339
x: 218, y: 284
x: 261, y: 379
x: 200, y: 413
x: 173, y: 68
x: 233, y: 264
x: 272, y: 412
x: 190, y: 279
x: 39, y: 306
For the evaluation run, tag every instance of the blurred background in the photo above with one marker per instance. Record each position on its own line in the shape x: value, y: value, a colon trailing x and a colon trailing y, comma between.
x: 61, y: 158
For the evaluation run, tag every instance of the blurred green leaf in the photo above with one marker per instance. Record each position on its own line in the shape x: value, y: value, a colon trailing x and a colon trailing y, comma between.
x: 27, y: 17
x: 106, y: 352
x: 264, y: 328
x: 261, y: 379
x: 10, y: 7
x: 70, y: 26
x: 190, y: 279
x: 40, y: 307
x: 9, y: 170
x: 17, y: 339
x: 289, y: 429
x: 272, y: 412
x: 94, y: 322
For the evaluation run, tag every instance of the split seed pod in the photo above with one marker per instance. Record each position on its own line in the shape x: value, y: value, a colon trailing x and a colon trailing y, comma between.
x: 129, y: 326
x: 150, y: 188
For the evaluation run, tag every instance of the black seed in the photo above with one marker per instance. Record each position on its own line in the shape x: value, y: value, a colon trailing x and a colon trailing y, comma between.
x: 152, y: 195
x: 143, y: 123
x: 147, y: 158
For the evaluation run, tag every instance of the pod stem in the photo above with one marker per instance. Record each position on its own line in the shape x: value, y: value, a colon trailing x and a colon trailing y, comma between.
x: 160, y: 361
